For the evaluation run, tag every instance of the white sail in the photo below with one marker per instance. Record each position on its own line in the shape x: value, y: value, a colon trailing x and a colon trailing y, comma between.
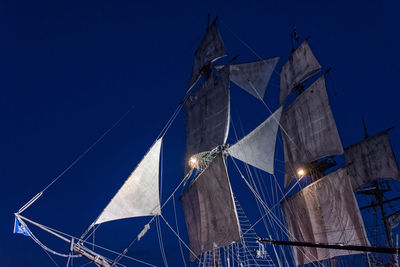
x: 371, y: 159
x: 258, y: 147
x: 210, y: 212
x: 300, y: 66
x: 139, y: 195
x: 210, y: 49
x: 325, y: 212
x: 309, y: 129
x: 253, y: 77
x: 207, y: 114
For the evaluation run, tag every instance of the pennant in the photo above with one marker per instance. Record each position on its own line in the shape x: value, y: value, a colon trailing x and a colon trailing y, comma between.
x: 19, y: 228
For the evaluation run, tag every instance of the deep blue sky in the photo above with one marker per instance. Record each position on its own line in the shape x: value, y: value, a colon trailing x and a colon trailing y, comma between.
x: 69, y: 70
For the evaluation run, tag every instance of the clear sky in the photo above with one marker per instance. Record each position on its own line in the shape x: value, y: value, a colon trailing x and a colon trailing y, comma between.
x: 69, y: 70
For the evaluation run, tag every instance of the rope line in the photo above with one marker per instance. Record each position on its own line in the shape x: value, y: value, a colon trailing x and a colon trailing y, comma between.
x: 75, y: 161
x: 179, y: 237
x: 84, y: 241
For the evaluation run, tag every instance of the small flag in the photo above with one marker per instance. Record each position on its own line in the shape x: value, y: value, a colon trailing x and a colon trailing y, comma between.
x: 20, y: 228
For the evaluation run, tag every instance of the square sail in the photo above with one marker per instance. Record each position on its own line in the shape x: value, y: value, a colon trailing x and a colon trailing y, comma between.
x: 207, y: 114
x: 210, y: 49
x: 210, y: 212
x: 301, y: 65
x: 325, y: 212
x: 371, y: 159
x: 309, y: 129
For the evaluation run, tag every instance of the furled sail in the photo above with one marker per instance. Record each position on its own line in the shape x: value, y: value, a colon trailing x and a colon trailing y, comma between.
x: 254, y: 77
x: 207, y: 114
x: 210, y: 212
x: 325, y: 212
x: 371, y: 159
x: 139, y: 195
x: 210, y: 49
x: 258, y: 147
x: 301, y: 65
x: 309, y: 129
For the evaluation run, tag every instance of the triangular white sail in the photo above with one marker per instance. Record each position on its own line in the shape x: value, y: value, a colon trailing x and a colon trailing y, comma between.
x: 300, y: 66
x: 210, y: 49
x: 258, y: 147
x: 371, y: 159
x: 139, y: 195
x: 309, y: 129
x: 253, y: 77
x: 325, y: 212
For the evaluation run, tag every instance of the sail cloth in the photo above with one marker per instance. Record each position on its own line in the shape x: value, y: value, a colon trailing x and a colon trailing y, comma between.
x: 301, y: 65
x: 254, y: 77
x: 210, y: 212
x: 207, y: 114
x: 139, y: 195
x: 325, y: 212
x: 309, y: 129
x: 210, y: 49
x: 258, y: 147
x: 371, y: 159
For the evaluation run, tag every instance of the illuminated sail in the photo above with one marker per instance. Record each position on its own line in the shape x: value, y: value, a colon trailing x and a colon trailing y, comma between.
x: 309, y: 129
x: 325, y: 212
x: 258, y: 147
x: 207, y: 114
x: 210, y: 212
x: 210, y: 49
x: 139, y: 195
x: 253, y: 77
x: 301, y: 65
x: 371, y: 159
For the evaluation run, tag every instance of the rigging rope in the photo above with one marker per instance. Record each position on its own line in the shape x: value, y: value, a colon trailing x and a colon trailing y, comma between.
x: 30, y: 202
x: 51, y: 258
x: 269, y: 210
x: 257, y: 55
x: 177, y: 230
x: 80, y: 240
x: 178, y: 237
x: 151, y: 220
x: 160, y: 242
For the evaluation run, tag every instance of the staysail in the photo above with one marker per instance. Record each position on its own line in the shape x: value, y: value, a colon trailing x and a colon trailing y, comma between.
x: 258, y: 147
x: 325, y: 212
x: 371, y: 159
x: 309, y: 129
x: 207, y: 114
x: 139, y: 195
x: 210, y: 49
x: 301, y: 65
x: 210, y: 212
x: 254, y: 77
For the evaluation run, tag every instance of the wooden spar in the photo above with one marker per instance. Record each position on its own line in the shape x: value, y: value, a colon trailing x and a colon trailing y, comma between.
x: 384, y: 202
x: 43, y: 228
x: 386, y: 250
x: 78, y: 248
x: 94, y: 257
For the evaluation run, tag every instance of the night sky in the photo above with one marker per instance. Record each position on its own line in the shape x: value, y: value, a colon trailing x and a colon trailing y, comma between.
x: 69, y: 70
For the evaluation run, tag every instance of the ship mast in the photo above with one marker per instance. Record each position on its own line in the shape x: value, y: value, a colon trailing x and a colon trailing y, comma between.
x: 378, y: 192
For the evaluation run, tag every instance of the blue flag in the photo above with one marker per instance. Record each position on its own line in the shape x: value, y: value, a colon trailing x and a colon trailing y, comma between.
x: 20, y: 229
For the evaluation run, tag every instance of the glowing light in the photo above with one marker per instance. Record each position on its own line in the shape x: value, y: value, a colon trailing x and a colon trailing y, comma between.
x: 301, y: 172
x: 193, y: 162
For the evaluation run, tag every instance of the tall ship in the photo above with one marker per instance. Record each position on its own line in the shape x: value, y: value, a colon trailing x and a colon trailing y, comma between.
x: 307, y: 204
